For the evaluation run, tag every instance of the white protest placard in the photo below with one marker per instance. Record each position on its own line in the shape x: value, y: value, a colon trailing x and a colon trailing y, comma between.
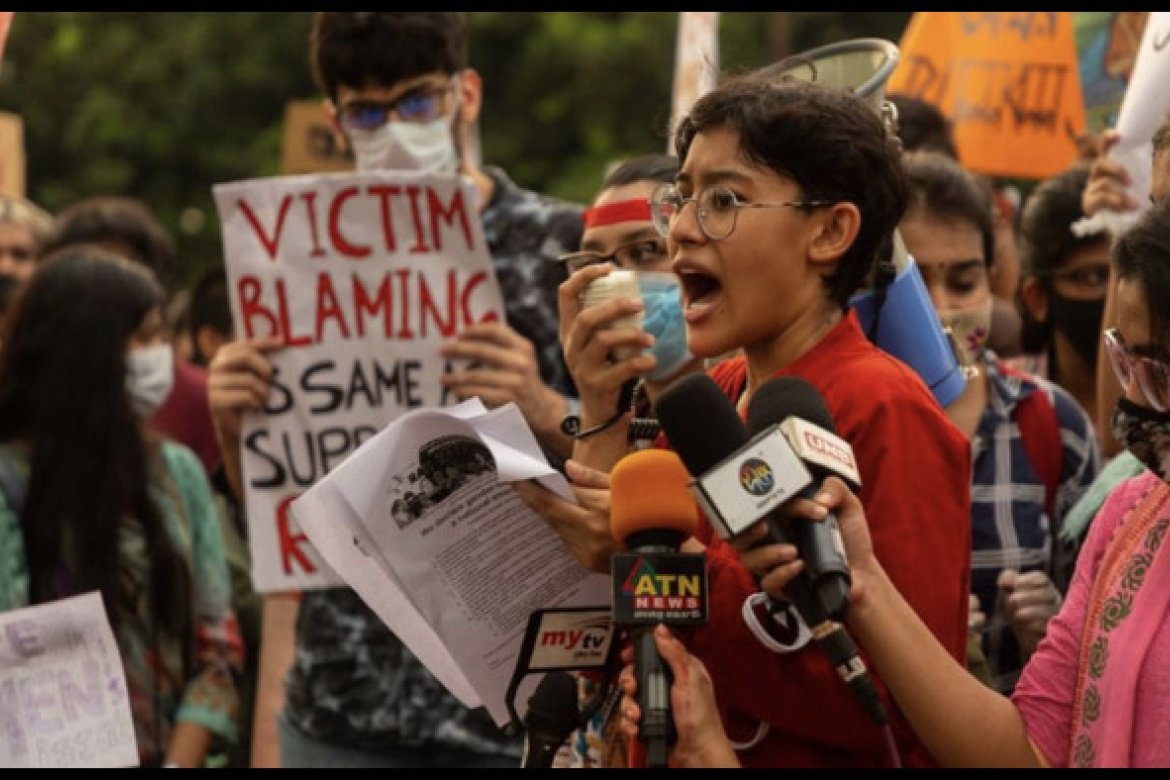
x: 363, y: 276
x: 63, y: 699
x: 442, y: 549
x: 1144, y: 107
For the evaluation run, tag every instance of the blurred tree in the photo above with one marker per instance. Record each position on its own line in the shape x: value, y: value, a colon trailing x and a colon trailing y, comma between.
x: 155, y: 105
x: 164, y: 105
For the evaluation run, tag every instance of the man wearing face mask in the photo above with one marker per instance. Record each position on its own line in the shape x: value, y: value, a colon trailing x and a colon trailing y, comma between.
x: 1034, y: 451
x: 401, y: 97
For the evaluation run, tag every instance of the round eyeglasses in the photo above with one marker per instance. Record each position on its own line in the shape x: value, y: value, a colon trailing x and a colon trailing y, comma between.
x: 1153, y: 376
x: 717, y: 209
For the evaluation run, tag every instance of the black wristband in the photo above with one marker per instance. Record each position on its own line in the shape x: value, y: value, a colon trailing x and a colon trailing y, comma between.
x: 599, y: 428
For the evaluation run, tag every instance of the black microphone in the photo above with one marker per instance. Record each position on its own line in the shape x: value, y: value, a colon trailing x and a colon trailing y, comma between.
x: 703, y: 427
x: 552, y: 716
x: 651, y: 513
x: 794, y: 408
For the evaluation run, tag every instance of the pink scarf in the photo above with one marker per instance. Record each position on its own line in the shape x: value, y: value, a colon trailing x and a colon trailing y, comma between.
x: 1128, y: 604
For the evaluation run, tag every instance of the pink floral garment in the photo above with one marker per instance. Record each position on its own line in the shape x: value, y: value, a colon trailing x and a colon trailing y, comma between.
x: 1097, y: 690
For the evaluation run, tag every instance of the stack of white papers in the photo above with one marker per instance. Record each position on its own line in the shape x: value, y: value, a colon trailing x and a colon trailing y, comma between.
x: 422, y: 523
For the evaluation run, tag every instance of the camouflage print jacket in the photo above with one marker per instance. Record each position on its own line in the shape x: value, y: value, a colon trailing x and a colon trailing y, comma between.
x: 352, y: 682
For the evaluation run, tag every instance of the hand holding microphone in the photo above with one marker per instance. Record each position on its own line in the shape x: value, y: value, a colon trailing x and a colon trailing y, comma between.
x: 741, y: 480
x: 702, y: 742
x: 652, y: 512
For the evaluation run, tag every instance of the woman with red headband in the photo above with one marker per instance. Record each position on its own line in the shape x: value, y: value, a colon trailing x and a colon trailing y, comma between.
x: 619, y: 371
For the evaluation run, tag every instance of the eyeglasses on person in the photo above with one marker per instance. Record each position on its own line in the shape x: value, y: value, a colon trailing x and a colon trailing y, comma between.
x: 640, y: 255
x: 717, y: 209
x: 417, y: 106
x: 1153, y: 376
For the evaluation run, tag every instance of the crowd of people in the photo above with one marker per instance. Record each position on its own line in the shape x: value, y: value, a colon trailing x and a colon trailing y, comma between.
x: 1003, y: 548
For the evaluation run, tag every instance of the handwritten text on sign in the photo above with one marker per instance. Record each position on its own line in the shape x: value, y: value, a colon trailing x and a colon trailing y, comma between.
x: 1009, y: 82
x: 63, y: 699
x: 362, y: 276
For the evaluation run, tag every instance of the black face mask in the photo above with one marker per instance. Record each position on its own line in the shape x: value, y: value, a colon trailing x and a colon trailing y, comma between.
x: 1145, y: 433
x: 1079, y: 322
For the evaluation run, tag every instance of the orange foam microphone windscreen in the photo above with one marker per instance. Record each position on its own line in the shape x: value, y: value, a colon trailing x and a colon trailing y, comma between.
x: 649, y: 491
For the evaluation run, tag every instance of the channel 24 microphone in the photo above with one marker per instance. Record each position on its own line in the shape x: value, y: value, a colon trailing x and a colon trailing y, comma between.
x: 794, y: 408
x: 740, y: 480
x: 651, y: 512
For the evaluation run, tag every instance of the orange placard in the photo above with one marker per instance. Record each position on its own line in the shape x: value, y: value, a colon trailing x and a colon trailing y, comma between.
x: 1009, y: 82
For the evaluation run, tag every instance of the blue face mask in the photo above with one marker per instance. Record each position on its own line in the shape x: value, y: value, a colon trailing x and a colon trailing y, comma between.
x: 662, y: 318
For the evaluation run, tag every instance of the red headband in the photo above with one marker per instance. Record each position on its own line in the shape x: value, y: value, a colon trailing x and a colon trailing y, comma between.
x: 637, y: 210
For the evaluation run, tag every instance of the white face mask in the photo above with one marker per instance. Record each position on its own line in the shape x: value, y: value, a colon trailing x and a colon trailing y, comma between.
x: 149, y: 378
x: 428, y: 147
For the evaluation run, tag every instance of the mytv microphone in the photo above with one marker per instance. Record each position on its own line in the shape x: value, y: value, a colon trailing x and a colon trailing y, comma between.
x: 651, y: 513
x: 703, y: 427
x: 794, y: 408
x: 552, y: 716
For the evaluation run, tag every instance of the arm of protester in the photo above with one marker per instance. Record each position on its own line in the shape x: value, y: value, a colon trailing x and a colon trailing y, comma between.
x: 1106, y: 190
x: 937, y: 695
x: 583, y: 527
x: 505, y: 370
x: 587, y: 341
x: 702, y: 742
x: 239, y: 378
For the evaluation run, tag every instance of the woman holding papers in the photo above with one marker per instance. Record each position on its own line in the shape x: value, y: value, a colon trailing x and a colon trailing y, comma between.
x: 93, y: 500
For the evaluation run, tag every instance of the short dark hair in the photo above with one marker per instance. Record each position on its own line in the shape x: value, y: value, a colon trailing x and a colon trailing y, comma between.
x: 209, y: 304
x: 359, y: 49
x: 1051, y: 209
x: 829, y: 141
x: 943, y: 189
x: 648, y: 167
x: 123, y: 220
x: 1142, y: 254
x: 922, y: 125
x: 1046, y: 240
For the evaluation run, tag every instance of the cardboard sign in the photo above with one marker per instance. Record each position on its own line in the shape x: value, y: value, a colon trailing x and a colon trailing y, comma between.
x: 1009, y: 82
x: 363, y: 276
x: 11, y: 155
x: 309, y: 144
x: 63, y: 695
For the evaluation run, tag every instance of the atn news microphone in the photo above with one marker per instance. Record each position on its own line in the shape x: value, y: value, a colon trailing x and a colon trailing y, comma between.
x: 794, y: 408
x: 552, y: 716
x: 651, y: 513
x: 739, y: 481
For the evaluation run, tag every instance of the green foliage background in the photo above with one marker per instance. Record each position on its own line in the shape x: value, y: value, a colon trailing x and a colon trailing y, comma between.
x: 162, y: 106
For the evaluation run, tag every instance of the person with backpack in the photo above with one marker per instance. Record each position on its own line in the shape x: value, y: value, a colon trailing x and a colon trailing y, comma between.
x: 1033, y: 448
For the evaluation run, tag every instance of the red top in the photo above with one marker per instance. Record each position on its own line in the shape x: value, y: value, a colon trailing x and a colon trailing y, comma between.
x: 915, y: 471
x: 185, y: 415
